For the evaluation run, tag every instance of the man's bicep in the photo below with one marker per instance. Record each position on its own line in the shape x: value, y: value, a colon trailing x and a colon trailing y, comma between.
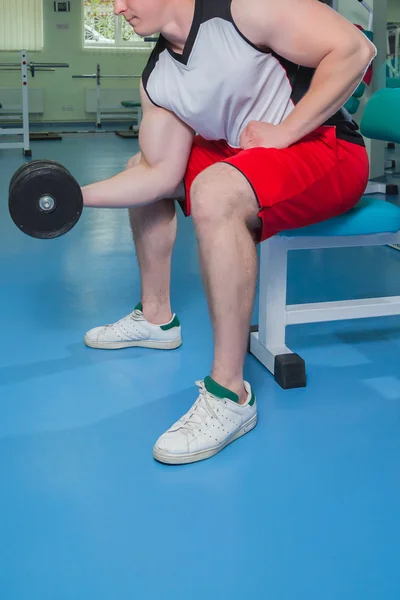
x: 165, y: 141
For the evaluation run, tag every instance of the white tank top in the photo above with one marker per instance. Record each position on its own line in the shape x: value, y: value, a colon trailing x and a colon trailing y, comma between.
x: 222, y: 81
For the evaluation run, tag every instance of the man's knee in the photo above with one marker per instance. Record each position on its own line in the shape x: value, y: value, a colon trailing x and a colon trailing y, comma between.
x: 221, y: 193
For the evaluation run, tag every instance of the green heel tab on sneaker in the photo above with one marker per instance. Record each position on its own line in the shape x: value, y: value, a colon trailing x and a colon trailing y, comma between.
x: 174, y: 323
x: 219, y: 391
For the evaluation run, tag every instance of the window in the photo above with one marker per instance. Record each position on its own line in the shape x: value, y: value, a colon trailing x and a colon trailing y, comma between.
x: 103, y: 29
x: 21, y: 25
x: 394, y: 39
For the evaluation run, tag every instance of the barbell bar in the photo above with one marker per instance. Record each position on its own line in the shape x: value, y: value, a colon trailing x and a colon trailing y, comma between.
x: 16, y: 69
x: 99, y: 76
x: 94, y: 76
x: 35, y: 64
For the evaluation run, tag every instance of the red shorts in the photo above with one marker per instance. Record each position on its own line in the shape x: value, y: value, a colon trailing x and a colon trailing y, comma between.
x: 313, y: 180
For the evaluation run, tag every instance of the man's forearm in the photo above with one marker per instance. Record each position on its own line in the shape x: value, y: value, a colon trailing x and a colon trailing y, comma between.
x: 334, y: 81
x: 136, y: 186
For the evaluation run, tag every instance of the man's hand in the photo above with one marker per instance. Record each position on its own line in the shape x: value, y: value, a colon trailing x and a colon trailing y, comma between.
x: 264, y: 135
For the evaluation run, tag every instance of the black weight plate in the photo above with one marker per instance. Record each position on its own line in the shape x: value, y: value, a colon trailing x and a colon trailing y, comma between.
x: 49, y: 180
x: 30, y: 165
x: 17, y: 174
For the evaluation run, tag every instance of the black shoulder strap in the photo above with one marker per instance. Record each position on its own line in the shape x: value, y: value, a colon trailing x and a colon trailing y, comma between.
x: 152, y: 61
x: 211, y: 9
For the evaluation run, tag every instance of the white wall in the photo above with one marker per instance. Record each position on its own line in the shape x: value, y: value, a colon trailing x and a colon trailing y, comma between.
x: 354, y: 12
x: 394, y: 11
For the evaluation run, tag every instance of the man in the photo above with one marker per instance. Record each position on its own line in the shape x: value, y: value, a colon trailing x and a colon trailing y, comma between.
x: 262, y: 84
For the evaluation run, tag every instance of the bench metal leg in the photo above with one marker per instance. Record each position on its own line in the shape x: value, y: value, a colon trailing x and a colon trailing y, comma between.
x: 268, y: 343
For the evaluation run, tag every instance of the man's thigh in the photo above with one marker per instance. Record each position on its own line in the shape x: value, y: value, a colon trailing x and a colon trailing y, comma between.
x: 313, y: 180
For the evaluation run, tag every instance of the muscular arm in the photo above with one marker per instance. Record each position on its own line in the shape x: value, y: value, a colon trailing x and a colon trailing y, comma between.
x: 310, y: 34
x: 165, y: 144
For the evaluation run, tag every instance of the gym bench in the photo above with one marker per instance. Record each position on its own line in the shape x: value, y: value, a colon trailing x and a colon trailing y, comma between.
x: 372, y: 222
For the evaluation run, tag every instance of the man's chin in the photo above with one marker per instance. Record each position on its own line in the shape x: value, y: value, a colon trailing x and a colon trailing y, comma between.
x: 141, y: 31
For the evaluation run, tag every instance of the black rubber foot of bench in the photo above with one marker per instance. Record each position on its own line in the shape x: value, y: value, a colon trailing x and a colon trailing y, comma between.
x: 392, y: 190
x: 290, y: 371
x: 27, y: 152
x: 127, y: 134
x: 39, y: 137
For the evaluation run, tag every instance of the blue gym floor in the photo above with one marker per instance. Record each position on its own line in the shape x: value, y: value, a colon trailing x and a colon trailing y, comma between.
x: 306, y: 507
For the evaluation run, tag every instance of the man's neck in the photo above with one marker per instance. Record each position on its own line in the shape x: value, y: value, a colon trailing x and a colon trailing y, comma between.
x: 177, y: 29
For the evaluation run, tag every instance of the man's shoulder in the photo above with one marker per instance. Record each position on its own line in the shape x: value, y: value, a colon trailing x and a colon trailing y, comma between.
x: 249, y: 17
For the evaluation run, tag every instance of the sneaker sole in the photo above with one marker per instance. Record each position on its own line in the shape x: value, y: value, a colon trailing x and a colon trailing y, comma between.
x: 184, y: 459
x: 157, y: 345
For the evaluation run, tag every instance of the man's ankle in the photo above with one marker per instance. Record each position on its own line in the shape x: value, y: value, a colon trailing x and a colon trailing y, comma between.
x: 234, y: 385
x: 157, y: 314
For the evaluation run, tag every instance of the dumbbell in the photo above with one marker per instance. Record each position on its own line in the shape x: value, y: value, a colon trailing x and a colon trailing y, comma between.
x: 45, y: 201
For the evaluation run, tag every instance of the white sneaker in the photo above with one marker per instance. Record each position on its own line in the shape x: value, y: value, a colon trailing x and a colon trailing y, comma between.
x: 135, y: 331
x: 214, y: 421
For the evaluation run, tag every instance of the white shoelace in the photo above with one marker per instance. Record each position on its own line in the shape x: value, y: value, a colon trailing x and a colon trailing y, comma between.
x: 136, y: 315
x: 201, y: 411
